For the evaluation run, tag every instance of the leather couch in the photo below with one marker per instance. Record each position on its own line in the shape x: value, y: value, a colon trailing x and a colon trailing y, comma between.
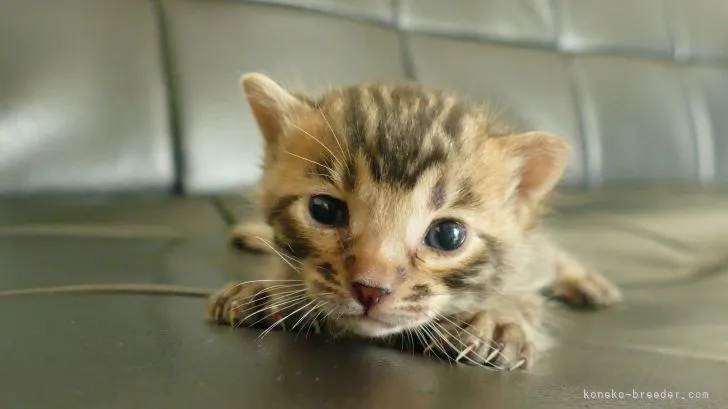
x: 125, y: 144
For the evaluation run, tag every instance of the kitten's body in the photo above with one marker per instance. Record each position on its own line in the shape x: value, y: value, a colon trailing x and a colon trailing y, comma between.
x: 398, y: 210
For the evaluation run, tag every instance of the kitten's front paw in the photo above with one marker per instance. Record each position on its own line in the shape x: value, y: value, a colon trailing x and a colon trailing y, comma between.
x: 587, y: 290
x: 241, y: 304
x: 488, y: 339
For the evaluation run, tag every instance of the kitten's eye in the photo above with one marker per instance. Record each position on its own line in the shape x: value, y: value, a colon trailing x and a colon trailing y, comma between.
x: 445, y: 235
x: 328, y: 211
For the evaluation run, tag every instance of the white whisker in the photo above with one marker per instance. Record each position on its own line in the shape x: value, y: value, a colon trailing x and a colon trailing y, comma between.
x: 267, y: 331
x: 296, y: 299
x: 316, y: 174
x: 268, y: 281
x: 433, y: 342
x: 251, y: 299
x: 314, y: 320
x: 333, y: 172
x: 423, y: 339
x: 411, y: 341
x: 303, y: 317
x: 279, y: 254
x: 320, y: 143
x: 336, y: 138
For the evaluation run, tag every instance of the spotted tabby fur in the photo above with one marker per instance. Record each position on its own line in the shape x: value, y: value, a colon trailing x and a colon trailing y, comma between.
x: 387, y: 168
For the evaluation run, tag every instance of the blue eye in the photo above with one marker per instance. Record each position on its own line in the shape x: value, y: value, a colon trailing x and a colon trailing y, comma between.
x: 328, y: 211
x: 446, y: 235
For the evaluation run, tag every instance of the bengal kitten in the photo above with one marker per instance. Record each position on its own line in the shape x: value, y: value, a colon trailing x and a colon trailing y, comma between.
x: 400, y: 210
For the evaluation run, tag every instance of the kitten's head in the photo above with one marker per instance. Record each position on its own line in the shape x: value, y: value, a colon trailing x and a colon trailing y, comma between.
x: 401, y: 203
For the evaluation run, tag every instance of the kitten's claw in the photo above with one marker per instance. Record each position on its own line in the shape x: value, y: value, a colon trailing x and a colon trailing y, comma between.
x: 518, y: 365
x: 488, y: 340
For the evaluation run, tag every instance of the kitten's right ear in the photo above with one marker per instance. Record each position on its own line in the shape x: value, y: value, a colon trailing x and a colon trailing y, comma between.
x: 271, y: 104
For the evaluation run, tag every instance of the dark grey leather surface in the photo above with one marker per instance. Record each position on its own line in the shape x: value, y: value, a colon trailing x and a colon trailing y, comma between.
x: 150, y: 351
x: 82, y: 98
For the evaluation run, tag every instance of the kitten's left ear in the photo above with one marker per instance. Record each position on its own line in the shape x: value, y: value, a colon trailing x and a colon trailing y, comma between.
x: 540, y: 161
x: 271, y: 104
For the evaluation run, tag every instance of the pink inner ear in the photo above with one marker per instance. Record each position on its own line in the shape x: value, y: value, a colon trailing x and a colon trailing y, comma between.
x: 542, y: 156
x: 537, y: 175
x: 268, y: 120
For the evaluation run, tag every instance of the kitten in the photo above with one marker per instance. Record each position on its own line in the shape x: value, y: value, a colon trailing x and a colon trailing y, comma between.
x: 400, y: 210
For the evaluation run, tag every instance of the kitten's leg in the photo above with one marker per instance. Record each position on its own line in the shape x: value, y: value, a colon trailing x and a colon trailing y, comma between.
x: 251, y: 236
x: 506, y: 335
x: 579, y: 287
x: 274, y: 305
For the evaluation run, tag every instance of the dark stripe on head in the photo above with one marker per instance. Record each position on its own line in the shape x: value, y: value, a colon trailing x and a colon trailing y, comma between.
x: 453, y: 124
x: 380, y: 143
x: 324, y: 169
x: 418, y: 292
x: 437, y: 196
x: 404, y: 94
x: 465, y: 195
x: 436, y: 156
x: 375, y: 167
x: 395, y: 153
x: 381, y: 114
x: 355, y: 118
x: 423, y: 117
x: 280, y: 207
x: 327, y: 272
x: 350, y: 174
x: 435, y: 108
x: 405, y: 168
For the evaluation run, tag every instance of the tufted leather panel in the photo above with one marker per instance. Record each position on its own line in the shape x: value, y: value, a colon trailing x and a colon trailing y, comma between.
x: 699, y: 29
x: 710, y: 109
x: 638, y: 94
x: 638, y: 118
x: 517, y: 20
x: 618, y: 25
x: 82, y: 98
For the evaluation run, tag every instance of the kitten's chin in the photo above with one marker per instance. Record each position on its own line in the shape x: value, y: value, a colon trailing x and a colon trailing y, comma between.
x: 371, y: 328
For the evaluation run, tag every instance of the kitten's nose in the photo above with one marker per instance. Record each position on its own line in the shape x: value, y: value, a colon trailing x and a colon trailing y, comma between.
x: 368, y: 296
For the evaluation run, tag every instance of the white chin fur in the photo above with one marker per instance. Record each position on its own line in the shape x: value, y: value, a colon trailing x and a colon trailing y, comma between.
x: 372, y: 329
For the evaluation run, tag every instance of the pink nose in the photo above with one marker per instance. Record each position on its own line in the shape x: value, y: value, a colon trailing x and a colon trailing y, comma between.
x: 368, y: 296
